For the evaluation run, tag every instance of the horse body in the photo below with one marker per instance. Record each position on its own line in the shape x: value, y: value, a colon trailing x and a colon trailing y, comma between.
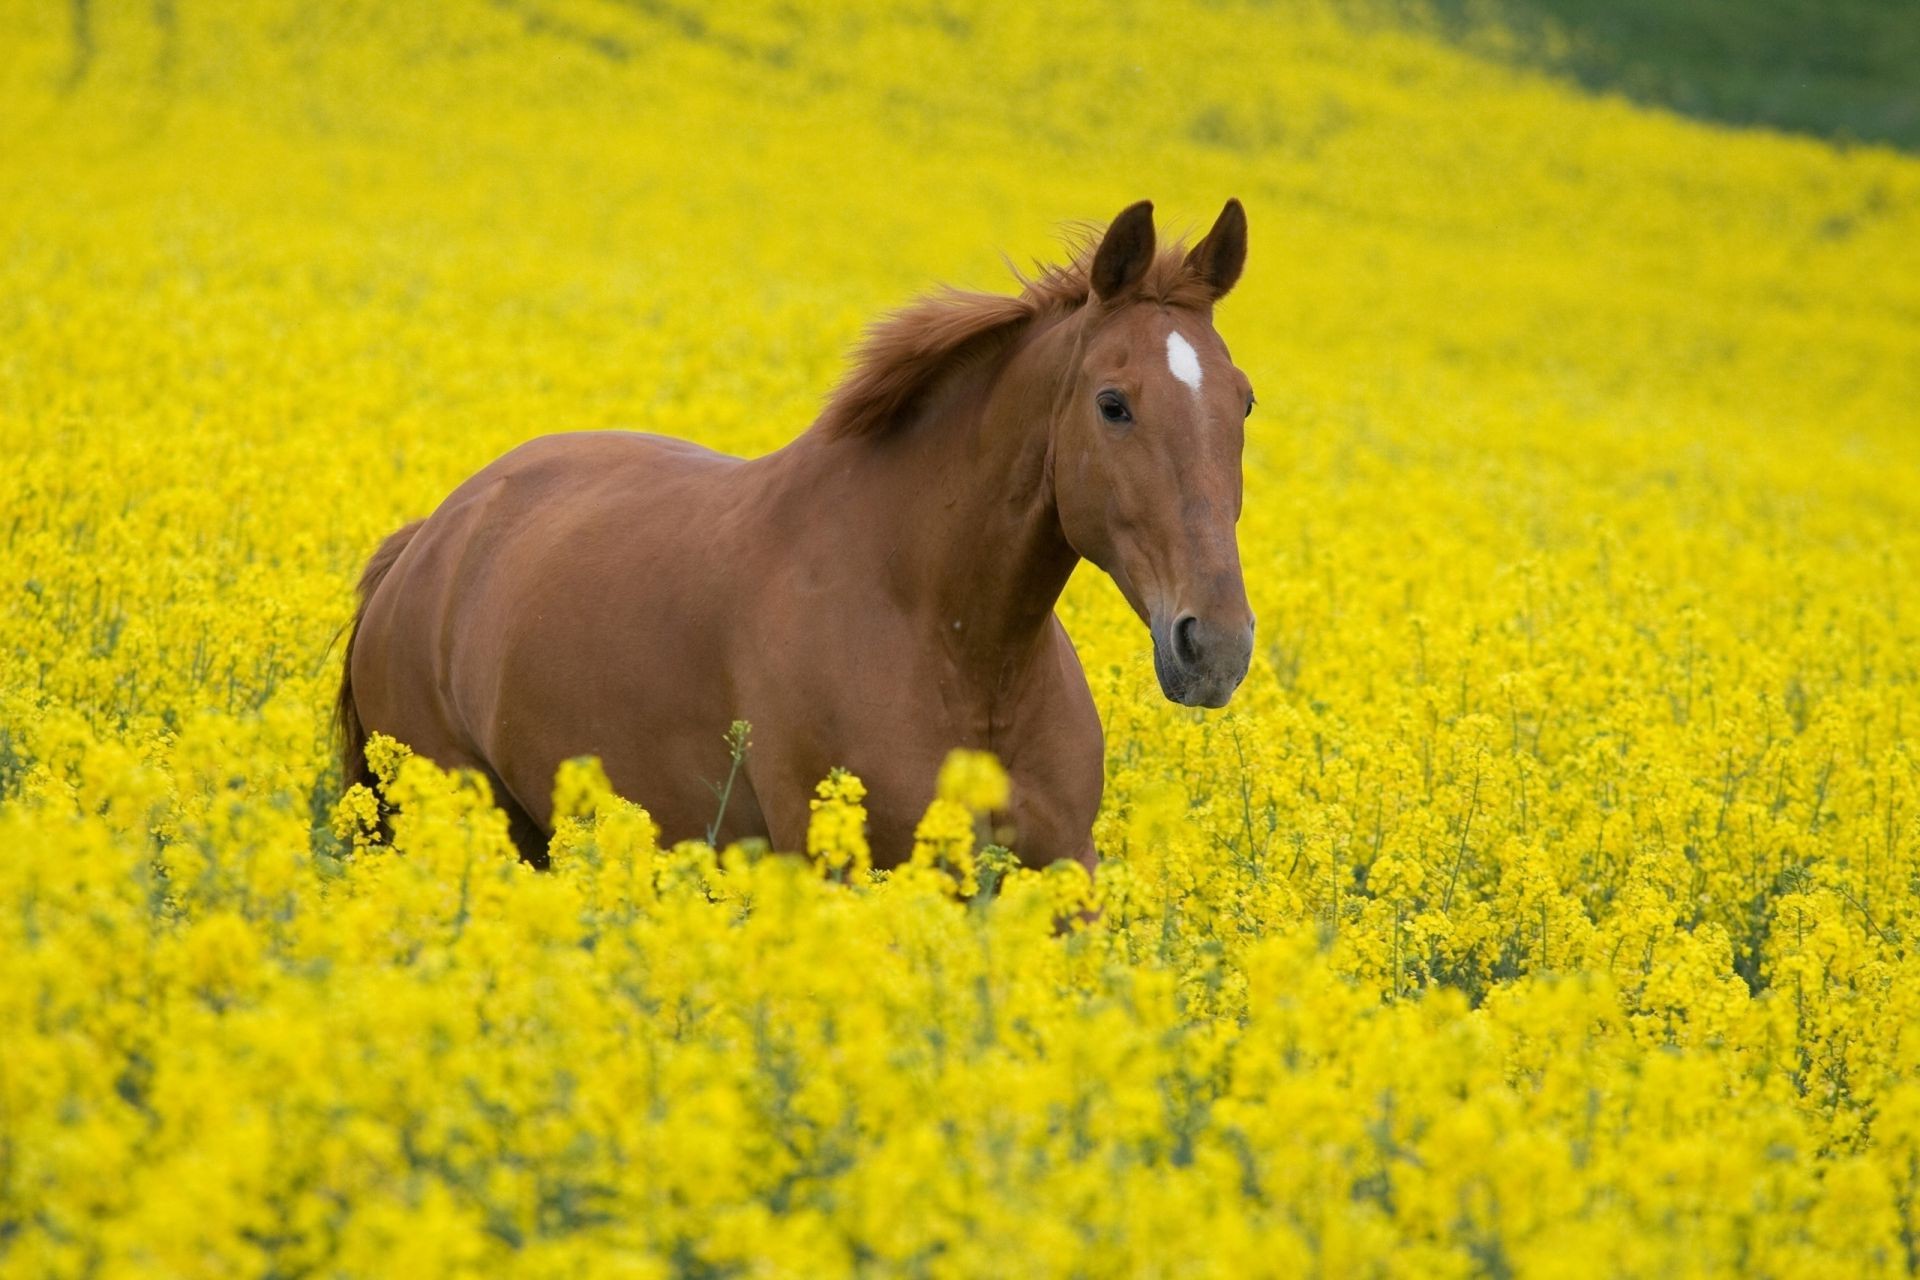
x: 502, y: 641
x: 866, y: 598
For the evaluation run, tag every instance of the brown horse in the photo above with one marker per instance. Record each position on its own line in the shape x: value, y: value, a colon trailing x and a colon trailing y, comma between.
x: 875, y: 593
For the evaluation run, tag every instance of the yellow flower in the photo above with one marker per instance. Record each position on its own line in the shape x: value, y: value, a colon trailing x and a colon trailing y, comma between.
x: 974, y: 780
x: 1544, y: 904
x: 385, y: 756
x: 943, y: 842
x: 580, y: 788
x: 837, y: 829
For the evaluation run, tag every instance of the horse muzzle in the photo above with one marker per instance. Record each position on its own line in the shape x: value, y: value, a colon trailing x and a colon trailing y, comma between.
x: 1201, y: 662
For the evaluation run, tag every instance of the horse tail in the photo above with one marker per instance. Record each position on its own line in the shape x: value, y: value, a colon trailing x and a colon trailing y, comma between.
x: 351, y: 729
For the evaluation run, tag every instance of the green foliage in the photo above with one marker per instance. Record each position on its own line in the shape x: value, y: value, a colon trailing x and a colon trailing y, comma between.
x: 1844, y: 69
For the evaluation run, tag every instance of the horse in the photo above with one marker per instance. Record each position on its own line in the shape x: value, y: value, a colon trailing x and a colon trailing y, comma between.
x: 878, y: 591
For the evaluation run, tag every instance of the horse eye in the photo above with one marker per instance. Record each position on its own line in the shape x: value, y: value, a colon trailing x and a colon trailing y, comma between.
x: 1113, y: 407
x: 1250, y: 403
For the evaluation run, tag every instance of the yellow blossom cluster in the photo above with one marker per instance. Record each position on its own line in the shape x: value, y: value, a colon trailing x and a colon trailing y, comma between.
x: 837, y: 827
x: 1544, y: 905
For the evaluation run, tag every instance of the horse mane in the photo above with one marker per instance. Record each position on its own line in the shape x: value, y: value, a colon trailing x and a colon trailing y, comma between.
x: 905, y: 351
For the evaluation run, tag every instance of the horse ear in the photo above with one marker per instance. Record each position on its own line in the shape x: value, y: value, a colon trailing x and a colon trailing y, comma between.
x: 1217, y: 260
x: 1125, y: 252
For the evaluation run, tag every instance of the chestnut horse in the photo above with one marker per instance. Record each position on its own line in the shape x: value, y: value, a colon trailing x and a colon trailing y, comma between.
x: 875, y: 593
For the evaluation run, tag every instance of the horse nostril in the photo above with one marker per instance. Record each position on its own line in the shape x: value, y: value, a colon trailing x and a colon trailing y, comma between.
x: 1186, y: 646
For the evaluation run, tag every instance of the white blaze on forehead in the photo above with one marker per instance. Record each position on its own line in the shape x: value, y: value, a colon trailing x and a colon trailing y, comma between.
x: 1182, y: 360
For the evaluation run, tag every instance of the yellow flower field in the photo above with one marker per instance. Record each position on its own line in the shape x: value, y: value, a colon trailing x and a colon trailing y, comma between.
x: 1544, y: 905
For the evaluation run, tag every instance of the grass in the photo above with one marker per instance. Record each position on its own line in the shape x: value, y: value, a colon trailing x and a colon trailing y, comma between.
x: 1847, y: 70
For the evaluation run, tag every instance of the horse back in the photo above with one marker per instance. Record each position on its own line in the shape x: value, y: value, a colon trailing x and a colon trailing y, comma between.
x: 538, y: 593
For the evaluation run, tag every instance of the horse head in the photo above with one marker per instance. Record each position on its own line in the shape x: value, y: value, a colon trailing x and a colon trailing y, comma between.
x: 1146, y: 448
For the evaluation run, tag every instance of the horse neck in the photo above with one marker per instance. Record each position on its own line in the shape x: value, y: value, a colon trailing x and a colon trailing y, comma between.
x: 973, y: 541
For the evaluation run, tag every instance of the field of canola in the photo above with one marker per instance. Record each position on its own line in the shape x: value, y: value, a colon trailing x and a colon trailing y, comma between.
x: 1546, y: 903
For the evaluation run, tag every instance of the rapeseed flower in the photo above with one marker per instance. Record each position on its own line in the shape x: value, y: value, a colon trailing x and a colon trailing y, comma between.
x: 1544, y: 904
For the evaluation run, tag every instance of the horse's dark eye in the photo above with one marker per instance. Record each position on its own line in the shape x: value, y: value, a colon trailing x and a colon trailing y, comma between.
x: 1113, y: 407
x: 1250, y: 404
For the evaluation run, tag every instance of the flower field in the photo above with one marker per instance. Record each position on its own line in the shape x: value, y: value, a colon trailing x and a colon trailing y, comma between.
x: 1545, y: 904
